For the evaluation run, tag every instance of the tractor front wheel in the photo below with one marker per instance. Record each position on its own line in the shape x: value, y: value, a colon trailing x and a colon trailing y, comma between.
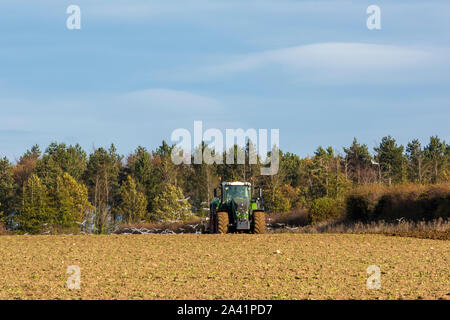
x: 212, y: 223
x: 222, y: 222
x: 259, y: 223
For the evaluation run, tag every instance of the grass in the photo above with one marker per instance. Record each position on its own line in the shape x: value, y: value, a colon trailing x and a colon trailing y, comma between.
x: 233, y: 266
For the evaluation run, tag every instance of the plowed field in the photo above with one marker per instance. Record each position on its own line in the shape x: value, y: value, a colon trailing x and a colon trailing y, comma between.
x: 233, y: 266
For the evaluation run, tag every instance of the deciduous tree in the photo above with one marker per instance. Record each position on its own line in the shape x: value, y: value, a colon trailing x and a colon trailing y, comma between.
x: 71, y: 202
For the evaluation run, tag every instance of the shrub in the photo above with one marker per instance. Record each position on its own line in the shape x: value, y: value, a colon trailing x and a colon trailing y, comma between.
x: 357, y: 207
x: 360, y: 203
x: 323, y: 209
x: 435, y: 200
x: 411, y: 202
x: 296, y: 217
x: 3, y: 230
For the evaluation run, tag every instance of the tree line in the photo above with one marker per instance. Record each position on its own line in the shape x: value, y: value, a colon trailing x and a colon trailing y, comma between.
x: 64, y: 188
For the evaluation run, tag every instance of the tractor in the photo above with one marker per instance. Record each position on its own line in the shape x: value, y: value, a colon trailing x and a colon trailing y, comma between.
x: 234, y: 210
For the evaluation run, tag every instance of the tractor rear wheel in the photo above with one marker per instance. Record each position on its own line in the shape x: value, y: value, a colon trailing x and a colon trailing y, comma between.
x: 222, y: 222
x: 259, y: 225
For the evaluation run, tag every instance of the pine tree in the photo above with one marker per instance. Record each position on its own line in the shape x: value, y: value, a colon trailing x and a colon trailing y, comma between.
x: 291, y: 165
x: 144, y: 168
x: 102, y: 175
x: 415, y: 156
x: 391, y: 160
x: 133, y: 205
x: 170, y: 204
x: 435, y: 156
x: 70, y: 159
x: 48, y: 170
x: 166, y: 169
x: 6, y: 190
x: 357, y: 163
x: 35, y: 212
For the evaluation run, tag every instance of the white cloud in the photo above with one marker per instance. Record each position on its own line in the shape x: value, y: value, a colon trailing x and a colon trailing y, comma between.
x: 338, y: 62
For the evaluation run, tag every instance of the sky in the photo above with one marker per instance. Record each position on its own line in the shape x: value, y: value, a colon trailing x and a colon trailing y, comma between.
x: 138, y: 70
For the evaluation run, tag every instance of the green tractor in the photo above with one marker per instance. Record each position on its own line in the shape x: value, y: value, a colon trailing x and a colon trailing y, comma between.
x: 234, y: 210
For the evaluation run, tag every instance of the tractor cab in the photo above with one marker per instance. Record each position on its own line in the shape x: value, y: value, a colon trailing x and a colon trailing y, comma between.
x: 236, y: 192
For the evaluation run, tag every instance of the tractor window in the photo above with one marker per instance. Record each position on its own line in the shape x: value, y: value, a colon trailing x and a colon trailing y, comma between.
x: 234, y: 192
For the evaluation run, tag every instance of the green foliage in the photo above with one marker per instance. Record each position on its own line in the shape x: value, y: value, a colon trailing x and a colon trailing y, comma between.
x: 33, y: 153
x: 164, y: 168
x: 35, y: 211
x: 435, y: 153
x: 6, y: 190
x: 357, y: 162
x: 71, y: 201
x: 391, y: 159
x: 415, y: 157
x: 339, y: 186
x: 70, y: 159
x: 323, y: 209
x: 275, y: 201
x: 140, y: 166
x: 48, y: 171
x: 102, y: 177
x: 291, y: 166
x: 133, y: 205
x: 143, y: 168
x: 170, y: 204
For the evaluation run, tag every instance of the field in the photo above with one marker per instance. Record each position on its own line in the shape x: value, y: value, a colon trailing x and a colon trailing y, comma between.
x: 190, y: 266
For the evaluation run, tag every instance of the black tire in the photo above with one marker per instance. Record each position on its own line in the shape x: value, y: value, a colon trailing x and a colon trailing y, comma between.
x: 222, y: 222
x: 259, y: 222
x: 212, y: 223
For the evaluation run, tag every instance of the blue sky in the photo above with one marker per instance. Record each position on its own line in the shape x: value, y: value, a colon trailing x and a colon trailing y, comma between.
x: 137, y: 70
